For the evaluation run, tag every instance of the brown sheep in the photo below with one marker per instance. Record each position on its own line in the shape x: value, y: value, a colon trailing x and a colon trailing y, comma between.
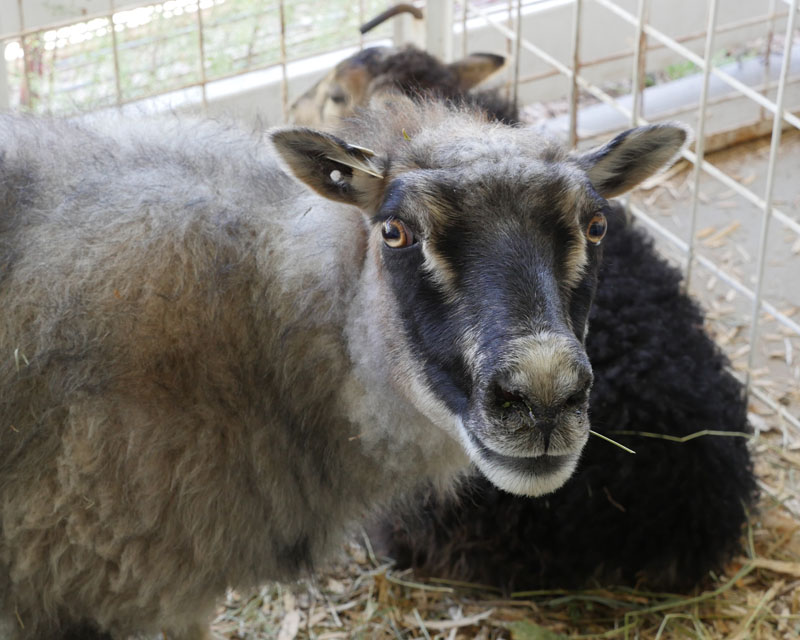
x: 354, y: 81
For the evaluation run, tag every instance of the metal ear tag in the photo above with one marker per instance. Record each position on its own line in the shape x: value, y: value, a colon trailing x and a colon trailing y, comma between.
x: 358, y: 165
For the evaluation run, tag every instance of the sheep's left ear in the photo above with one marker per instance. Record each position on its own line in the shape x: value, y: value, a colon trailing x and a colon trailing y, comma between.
x: 475, y: 68
x: 330, y: 166
x: 632, y: 157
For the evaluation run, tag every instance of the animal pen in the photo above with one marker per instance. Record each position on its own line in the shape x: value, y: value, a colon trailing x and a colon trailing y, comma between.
x: 728, y: 213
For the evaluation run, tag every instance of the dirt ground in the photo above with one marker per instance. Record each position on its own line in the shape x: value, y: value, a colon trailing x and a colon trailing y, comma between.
x: 758, y: 596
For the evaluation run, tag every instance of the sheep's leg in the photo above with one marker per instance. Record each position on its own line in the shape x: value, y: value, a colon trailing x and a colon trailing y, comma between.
x: 85, y: 633
x: 192, y: 632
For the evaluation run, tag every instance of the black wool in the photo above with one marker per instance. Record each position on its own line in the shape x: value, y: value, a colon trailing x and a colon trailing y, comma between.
x: 420, y: 75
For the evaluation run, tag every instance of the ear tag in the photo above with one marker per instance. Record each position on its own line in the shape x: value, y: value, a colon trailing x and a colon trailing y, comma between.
x: 369, y: 153
x: 353, y: 163
x: 406, y: 136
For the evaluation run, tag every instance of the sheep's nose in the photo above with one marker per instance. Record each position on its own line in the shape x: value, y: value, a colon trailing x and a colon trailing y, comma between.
x: 547, y: 372
x: 543, y: 408
x: 542, y: 414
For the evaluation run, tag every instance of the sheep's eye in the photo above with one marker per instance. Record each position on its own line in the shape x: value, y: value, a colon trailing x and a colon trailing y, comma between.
x: 396, y: 234
x: 596, y: 229
x: 338, y: 97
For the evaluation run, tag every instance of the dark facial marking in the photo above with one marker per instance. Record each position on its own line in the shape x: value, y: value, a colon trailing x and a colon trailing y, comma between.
x: 392, y: 201
x: 430, y: 325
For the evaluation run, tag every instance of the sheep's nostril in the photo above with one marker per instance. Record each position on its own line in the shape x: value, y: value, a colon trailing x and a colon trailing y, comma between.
x: 505, y: 399
x: 579, y: 395
x: 577, y: 399
x: 514, y: 404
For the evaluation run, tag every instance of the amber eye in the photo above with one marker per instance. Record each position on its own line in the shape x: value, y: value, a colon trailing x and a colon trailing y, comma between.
x: 596, y: 229
x: 396, y: 234
x: 338, y: 97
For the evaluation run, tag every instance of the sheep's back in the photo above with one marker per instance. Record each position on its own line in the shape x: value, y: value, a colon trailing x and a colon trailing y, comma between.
x: 122, y: 249
x: 157, y: 325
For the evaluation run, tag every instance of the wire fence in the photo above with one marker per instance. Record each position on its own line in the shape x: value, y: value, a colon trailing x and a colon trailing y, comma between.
x: 128, y: 54
x: 124, y: 55
x: 646, y: 38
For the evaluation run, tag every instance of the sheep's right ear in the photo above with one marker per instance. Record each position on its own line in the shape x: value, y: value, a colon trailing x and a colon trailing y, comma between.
x: 633, y: 156
x: 330, y: 166
x: 475, y: 68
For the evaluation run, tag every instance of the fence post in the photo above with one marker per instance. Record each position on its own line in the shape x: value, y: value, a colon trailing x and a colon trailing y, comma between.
x: 574, y: 92
x: 5, y: 101
x: 406, y: 29
x: 6, y: 8
x: 699, y: 144
x: 640, y: 64
x: 439, y: 29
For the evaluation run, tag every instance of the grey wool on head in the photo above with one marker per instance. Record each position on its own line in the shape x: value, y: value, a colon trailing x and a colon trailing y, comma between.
x: 210, y: 367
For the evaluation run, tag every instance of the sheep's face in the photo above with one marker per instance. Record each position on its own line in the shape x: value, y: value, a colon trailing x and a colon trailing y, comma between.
x: 486, y: 250
x: 493, y: 282
x: 338, y: 94
x: 353, y: 82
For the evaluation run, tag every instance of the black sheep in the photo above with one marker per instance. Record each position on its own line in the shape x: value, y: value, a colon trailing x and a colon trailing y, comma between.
x: 663, y: 517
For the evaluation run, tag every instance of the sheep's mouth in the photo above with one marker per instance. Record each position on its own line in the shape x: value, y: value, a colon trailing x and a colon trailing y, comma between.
x: 541, y: 464
x: 524, y: 475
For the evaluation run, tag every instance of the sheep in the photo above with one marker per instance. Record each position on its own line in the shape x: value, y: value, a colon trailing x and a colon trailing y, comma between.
x: 416, y: 73
x: 219, y: 353
x: 664, y: 517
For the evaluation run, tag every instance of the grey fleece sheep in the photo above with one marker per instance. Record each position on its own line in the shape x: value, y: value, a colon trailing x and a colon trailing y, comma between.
x: 209, y: 369
x: 664, y: 517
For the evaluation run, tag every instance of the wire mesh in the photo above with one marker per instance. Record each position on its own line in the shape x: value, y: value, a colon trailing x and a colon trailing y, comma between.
x: 137, y: 52
x: 760, y: 95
